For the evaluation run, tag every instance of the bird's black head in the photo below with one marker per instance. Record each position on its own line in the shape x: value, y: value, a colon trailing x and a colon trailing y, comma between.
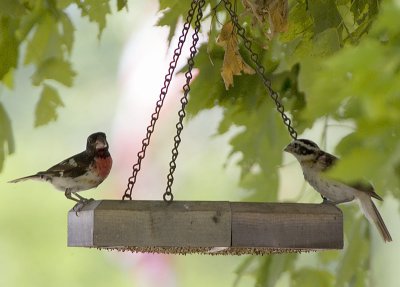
x: 303, y: 149
x: 97, y: 142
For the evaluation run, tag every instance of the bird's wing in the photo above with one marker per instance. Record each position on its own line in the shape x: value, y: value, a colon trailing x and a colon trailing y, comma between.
x: 326, y: 160
x: 71, y: 167
x: 329, y: 160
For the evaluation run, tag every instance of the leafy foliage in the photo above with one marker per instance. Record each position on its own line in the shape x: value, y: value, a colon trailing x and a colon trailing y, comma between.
x: 45, y: 30
x: 322, y: 65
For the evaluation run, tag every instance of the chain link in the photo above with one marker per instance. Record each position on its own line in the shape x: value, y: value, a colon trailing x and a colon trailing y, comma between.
x: 168, y: 196
x: 164, y: 90
x: 260, y: 69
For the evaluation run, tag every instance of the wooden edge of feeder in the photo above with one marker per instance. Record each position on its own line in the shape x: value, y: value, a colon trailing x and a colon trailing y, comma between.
x: 206, y: 227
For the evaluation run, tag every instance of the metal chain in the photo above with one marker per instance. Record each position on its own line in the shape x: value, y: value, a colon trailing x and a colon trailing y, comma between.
x: 168, y: 196
x: 260, y: 70
x: 164, y: 90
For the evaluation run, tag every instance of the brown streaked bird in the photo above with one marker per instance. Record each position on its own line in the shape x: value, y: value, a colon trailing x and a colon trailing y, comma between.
x: 80, y: 172
x: 315, y: 161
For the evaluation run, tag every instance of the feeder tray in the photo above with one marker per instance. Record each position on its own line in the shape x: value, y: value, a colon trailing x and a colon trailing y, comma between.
x: 182, y: 227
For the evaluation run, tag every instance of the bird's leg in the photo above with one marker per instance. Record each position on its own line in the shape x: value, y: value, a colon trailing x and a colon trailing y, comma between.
x: 81, y: 203
x: 83, y: 199
x: 68, y: 195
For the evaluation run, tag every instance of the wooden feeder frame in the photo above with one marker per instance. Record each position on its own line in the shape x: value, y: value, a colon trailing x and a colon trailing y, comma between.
x: 223, y: 227
x: 199, y: 226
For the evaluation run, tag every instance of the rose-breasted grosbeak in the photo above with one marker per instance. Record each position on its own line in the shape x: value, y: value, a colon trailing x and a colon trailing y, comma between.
x: 315, y: 161
x: 82, y: 171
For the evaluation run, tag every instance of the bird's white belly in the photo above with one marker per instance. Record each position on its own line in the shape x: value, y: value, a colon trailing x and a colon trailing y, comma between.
x: 83, y: 182
x: 333, y: 190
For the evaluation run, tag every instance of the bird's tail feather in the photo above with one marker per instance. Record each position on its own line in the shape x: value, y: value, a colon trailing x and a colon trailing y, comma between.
x: 34, y: 176
x: 373, y: 215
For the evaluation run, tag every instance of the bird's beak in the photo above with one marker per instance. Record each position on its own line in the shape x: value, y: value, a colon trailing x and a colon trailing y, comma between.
x: 101, y: 145
x: 288, y: 148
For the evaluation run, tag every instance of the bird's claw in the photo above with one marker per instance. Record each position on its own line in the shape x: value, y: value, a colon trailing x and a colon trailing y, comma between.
x: 81, y: 204
x: 87, y: 200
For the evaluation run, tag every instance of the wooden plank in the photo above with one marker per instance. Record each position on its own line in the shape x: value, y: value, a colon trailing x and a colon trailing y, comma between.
x: 152, y: 223
x: 189, y: 225
x: 287, y: 225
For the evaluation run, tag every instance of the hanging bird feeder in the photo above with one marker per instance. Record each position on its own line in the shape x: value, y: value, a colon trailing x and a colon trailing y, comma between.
x: 222, y: 227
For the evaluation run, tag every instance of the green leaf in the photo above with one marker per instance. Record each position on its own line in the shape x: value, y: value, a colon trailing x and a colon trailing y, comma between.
x: 212, y: 34
x: 260, y: 143
x: 62, y: 4
x: 121, y: 4
x: 326, y: 43
x: 272, y: 267
x: 170, y: 19
x: 350, y: 169
x: 56, y: 69
x: 97, y: 11
x: 29, y: 21
x: 287, y: 83
x: 312, y: 277
x: 68, y: 31
x: 172, y: 11
x: 45, y: 43
x: 164, y: 4
x: 8, y: 79
x: 203, y: 97
x: 325, y: 15
x: 11, y: 8
x: 299, y: 24
x: 298, y: 37
x: 383, y: 29
x: 380, y: 140
x: 243, y: 269
x: 8, y: 46
x: 6, y: 137
x: 364, y: 9
x: 328, y: 256
x: 46, y: 108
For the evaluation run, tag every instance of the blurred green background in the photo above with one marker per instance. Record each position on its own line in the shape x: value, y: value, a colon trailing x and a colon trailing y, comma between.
x: 118, y: 82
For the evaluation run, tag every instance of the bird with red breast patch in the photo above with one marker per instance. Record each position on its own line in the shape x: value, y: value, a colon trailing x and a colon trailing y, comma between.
x: 83, y: 171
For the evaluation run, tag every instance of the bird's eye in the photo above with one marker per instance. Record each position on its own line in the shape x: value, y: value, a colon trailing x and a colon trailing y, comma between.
x: 304, y: 151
